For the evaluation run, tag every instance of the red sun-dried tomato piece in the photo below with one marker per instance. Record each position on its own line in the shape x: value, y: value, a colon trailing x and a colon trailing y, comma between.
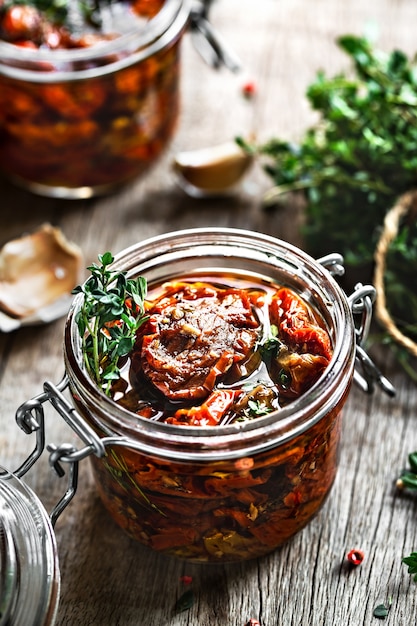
x: 194, y: 335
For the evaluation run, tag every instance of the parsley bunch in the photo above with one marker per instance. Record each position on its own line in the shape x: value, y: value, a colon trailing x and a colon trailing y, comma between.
x: 111, y: 313
x: 360, y: 156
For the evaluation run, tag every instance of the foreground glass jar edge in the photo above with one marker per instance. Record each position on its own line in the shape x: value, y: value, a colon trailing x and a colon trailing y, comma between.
x: 34, y: 572
x: 216, y: 441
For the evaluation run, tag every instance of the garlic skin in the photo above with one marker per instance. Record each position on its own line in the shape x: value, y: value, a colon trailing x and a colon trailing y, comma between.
x: 36, y: 270
x: 214, y: 169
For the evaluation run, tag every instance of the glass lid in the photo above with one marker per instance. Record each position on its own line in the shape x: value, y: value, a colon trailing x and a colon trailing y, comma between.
x: 29, y: 571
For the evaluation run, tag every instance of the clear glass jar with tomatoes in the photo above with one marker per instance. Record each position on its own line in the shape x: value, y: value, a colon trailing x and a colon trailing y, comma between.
x: 216, y: 451
x: 89, y: 96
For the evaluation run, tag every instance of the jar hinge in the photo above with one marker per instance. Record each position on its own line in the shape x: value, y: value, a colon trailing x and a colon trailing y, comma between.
x: 208, y: 41
x: 360, y: 302
x: 31, y: 419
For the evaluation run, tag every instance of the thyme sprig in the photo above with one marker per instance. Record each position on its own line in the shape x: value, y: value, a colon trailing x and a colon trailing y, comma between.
x: 111, y: 313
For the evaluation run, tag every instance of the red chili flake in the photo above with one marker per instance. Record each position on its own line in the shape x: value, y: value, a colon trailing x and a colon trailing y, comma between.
x: 252, y: 622
x: 249, y: 89
x: 186, y: 580
x: 355, y: 557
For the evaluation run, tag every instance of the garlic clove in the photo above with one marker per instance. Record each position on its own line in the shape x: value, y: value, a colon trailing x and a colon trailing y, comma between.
x: 214, y: 169
x: 36, y: 270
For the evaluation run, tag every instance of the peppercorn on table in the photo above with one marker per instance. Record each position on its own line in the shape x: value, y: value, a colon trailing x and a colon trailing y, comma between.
x: 345, y: 566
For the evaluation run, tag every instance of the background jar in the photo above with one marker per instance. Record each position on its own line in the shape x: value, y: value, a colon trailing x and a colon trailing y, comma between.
x: 79, y: 122
x: 231, y: 492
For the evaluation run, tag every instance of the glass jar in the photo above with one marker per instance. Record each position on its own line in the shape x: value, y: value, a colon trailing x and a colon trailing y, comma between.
x: 221, y: 493
x: 78, y: 122
x: 29, y: 569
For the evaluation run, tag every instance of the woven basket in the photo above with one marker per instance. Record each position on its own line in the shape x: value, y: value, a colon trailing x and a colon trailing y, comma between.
x: 406, y: 205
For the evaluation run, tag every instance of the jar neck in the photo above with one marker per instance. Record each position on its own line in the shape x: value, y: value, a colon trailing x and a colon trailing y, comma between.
x: 46, y: 66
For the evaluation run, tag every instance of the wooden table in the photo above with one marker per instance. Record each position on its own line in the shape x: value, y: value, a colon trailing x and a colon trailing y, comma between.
x: 107, y: 579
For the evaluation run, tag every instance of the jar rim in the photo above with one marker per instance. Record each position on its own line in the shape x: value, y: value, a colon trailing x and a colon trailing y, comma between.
x: 218, y: 440
x: 134, y: 46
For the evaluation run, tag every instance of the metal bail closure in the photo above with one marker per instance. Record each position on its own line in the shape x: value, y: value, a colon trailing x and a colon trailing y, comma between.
x: 366, y: 372
x: 208, y: 41
x: 30, y: 418
x: 360, y: 301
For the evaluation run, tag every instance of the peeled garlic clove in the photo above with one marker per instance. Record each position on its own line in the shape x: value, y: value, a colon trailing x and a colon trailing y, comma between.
x: 213, y: 169
x: 36, y: 270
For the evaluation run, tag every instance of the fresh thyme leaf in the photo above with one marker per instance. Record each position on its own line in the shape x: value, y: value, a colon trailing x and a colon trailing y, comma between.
x: 408, y: 477
x: 184, y: 602
x: 381, y: 611
x: 284, y: 379
x: 257, y: 408
x: 411, y: 561
x: 111, y: 313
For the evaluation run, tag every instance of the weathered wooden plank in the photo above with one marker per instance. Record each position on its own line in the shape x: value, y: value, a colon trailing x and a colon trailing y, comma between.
x: 106, y: 578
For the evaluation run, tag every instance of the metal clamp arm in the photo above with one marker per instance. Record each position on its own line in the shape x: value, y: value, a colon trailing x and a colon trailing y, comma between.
x: 361, y: 301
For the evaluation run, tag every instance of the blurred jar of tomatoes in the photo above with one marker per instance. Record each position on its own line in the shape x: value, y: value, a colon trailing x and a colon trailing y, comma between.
x: 89, y: 91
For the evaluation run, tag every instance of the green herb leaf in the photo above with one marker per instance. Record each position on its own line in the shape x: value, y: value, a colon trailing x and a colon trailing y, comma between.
x: 411, y: 561
x: 408, y: 479
x: 381, y: 611
x: 184, y: 602
x: 412, y: 459
x: 110, y: 315
x: 257, y: 408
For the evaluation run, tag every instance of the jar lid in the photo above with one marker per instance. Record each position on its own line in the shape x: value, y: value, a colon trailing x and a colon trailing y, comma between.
x: 29, y: 570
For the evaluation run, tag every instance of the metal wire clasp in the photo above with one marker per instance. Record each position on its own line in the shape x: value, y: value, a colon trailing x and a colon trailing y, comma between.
x: 366, y: 373
x: 30, y: 418
x: 208, y: 41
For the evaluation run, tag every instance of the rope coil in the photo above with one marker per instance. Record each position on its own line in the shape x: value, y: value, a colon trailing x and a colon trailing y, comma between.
x: 406, y: 204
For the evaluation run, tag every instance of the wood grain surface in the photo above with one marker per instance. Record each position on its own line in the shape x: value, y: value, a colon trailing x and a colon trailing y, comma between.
x: 107, y: 579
